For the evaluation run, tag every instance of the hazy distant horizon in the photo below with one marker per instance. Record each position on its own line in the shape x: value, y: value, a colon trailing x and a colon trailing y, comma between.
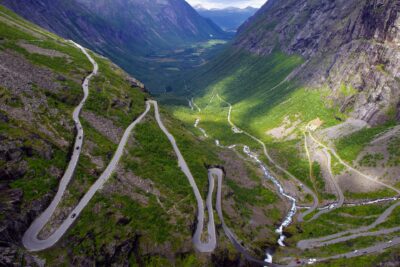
x: 227, y: 3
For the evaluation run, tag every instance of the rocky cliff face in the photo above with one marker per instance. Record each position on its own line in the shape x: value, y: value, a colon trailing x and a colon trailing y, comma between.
x: 351, y: 46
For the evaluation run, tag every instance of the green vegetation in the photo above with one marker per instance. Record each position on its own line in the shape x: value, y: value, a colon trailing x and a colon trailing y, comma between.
x: 349, y: 147
x: 337, y: 167
x: 338, y: 220
x: 45, y: 158
x: 348, y: 246
x: 258, y: 196
x: 371, y: 160
x: 102, y: 147
x: 40, y: 154
x: 362, y: 261
x: 113, y: 97
x: 344, y: 218
x: 262, y: 99
x: 392, y: 221
x: 10, y: 100
x: 110, y: 85
x: 151, y: 218
x: 13, y: 37
x: 124, y: 214
x: 382, y: 69
x: 369, y: 195
x: 115, y: 216
x: 170, y: 66
x: 320, y: 183
x: 157, y: 160
x: 347, y: 90
x: 394, y: 152
x: 213, y: 119
x: 257, y: 88
x: 197, y: 155
x: 39, y: 180
x: 149, y: 156
x: 291, y: 157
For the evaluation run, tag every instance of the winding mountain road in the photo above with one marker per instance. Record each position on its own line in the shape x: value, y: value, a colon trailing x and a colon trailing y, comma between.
x: 211, y: 243
x: 265, y: 151
x: 339, y: 192
x: 331, y: 150
x: 335, y: 238
x: 353, y: 233
x: 30, y: 238
x: 216, y: 172
x: 347, y: 235
x: 33, y: 243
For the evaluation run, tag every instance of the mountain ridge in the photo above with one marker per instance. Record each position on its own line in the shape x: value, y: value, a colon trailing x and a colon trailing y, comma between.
x: 134, y: 34
x: 333, y: 47
x: 229, y: 18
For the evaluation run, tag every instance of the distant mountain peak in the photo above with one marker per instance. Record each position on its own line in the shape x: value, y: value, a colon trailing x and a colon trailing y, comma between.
x: 229, y: 8
x: 199, y: 7
x: 228, y: 18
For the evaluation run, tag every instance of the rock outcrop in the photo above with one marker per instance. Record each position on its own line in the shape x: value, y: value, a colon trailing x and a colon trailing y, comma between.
x: 351, y: 46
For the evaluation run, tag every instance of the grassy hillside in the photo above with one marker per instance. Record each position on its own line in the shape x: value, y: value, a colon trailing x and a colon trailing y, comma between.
x: 263, y: 98
x: 270, y: 102
x: 146, y: 213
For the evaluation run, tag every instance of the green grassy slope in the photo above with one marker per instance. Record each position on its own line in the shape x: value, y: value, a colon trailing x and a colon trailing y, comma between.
x: 267, y: 96
x: 146, y: 213
x: 262, y: 98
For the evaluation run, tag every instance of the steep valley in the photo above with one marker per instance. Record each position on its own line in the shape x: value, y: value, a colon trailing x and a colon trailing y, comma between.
x: 230, y: 18
x: 278, y: 148
x: 145, y: 38
x: 145, y: 213
x: 317, y: 83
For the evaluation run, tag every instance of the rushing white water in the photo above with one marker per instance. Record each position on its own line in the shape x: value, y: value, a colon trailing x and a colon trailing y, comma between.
x: 190, y: 104
x: 365, y: 203
x: 373, y: 202
x: 268, y: 258
x: 195, y: 105
x: 289, y: 217
x: 196, y: 125
x: 236, y: 130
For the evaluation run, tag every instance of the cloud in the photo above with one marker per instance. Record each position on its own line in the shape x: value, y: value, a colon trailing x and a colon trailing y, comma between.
x: 227, y: 3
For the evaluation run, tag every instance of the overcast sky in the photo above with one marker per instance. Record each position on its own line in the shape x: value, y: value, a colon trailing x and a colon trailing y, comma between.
x: 227, y: 3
